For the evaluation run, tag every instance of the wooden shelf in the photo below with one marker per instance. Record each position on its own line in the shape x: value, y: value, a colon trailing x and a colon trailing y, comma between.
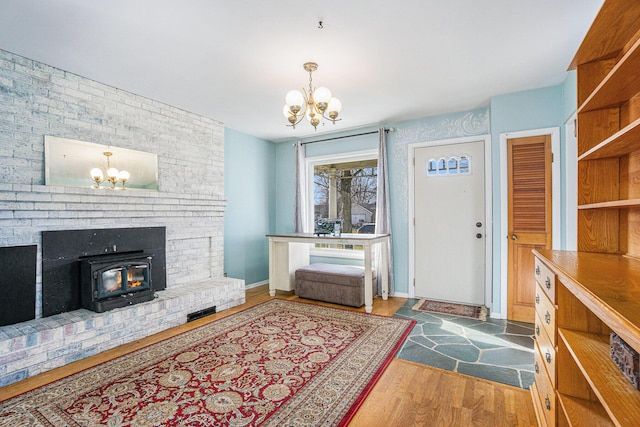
x: 615, y: 204
x: 581, y: 412
x: 621, y: 143
x: 618, y: 397
x: 609, y: 33
x: 620, y: 85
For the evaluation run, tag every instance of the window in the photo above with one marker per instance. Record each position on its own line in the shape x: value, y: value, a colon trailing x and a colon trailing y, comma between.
x: 344, y: 189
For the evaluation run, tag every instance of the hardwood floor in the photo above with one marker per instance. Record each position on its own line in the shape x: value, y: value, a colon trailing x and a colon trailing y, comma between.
x: 407, y: 394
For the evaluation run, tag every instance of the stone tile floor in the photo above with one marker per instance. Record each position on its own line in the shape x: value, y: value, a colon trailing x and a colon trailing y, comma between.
x: 496, y: 350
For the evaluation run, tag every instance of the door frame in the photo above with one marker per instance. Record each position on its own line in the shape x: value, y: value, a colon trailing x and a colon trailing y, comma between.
x: 571, y: 184
x: 486, y: 139
x: 556, y: 231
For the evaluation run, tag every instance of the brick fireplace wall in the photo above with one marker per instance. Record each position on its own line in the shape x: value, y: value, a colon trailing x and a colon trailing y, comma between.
x: 38, y: 100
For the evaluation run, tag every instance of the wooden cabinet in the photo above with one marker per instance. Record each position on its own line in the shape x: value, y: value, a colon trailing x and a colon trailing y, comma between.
x: 596, y: 290
x: 595, y: 295
x: 544, y: 395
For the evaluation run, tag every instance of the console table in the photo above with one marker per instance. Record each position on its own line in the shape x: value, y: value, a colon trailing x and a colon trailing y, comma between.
x: 288, y: 252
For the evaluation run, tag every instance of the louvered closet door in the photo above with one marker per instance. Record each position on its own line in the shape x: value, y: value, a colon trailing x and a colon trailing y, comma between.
x: 529, y: 216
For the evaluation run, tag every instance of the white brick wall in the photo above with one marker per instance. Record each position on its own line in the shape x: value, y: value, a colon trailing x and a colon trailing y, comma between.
x: 38, y: 100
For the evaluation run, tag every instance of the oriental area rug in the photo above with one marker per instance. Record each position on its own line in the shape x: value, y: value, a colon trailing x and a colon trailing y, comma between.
x: 280, y: 363
x: 472, y: 311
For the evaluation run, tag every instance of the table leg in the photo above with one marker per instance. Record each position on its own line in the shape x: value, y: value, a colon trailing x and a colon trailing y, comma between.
x: 272, y: 269
x: 368, y: 282
x: 384, y: 269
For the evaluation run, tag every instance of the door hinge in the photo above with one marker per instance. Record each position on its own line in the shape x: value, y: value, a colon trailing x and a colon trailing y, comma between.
x: 414, y: 282
x: 414, y: 161
x: 553, y: 157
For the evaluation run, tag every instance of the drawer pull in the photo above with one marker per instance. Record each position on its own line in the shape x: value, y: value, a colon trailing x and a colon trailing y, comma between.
x: 537, y: 330
x: 547, y: 356
x: 547, y: 318
x: 537, y: 270
x: 537, y: 299
x: 537, y: 368
x: 547, y: 283
x: 547, y: 403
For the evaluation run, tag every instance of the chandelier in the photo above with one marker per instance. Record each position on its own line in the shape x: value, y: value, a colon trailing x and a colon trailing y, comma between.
x: 113, y: 175
x: 315, y: 105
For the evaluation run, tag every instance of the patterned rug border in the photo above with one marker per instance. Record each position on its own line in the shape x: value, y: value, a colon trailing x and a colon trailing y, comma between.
x: 82, y: 381
x: 481, y: 315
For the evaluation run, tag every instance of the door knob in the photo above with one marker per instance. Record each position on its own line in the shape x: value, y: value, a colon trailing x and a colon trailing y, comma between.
x: 478, y: 224
x: 478, y: 236
x: 514, y: 237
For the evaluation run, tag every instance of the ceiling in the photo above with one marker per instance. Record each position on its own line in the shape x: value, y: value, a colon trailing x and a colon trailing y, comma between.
x: 234, y: 60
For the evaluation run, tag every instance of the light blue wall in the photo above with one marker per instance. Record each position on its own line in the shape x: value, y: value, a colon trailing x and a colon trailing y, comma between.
x: 249, y: 186
x: 569, y: 95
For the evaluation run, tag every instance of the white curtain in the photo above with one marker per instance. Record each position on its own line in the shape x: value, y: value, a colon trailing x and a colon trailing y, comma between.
x: 383, y: 209
x: 301, y: 217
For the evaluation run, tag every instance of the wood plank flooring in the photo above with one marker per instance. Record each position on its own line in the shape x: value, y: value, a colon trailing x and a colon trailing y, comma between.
x: 407, y: 394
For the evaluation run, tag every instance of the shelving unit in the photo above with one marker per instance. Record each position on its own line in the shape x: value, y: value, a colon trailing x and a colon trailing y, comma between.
x: 597, y: 289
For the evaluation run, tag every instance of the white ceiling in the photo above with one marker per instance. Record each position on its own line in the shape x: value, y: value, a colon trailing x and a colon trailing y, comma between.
x: 234, y: 60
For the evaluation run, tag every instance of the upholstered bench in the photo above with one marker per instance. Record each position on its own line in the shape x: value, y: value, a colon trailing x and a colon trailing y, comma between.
x: 338, y: 284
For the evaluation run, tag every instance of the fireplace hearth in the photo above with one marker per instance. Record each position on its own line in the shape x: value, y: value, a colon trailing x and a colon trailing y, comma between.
x: 113, y: 281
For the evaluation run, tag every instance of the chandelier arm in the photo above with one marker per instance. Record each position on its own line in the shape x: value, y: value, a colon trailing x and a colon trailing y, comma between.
x: 329, y: 118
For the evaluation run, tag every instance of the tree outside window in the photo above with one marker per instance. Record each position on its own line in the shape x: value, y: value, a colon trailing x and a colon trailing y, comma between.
x: 347, y: 191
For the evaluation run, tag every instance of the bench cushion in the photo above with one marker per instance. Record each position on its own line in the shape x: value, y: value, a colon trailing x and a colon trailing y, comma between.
x: 339, y: 284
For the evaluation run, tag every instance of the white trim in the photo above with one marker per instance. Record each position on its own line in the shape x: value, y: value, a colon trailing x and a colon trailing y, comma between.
x: 400, y: 295
x: 556, y: 234
x: 486, y: 139
x: 571, y: 185
x: 310, y: 162
x: 256, y: 284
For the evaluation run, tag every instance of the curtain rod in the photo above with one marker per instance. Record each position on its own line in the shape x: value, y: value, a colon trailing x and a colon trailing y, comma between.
x: 346, y: 136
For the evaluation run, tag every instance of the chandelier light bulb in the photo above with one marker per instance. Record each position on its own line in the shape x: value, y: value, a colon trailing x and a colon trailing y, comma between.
x: 295, y: 100
x: 334, y: 108
x: 97, y: 175
x: 123, y: 176
x: 113, y: 173
x: 322, y: 95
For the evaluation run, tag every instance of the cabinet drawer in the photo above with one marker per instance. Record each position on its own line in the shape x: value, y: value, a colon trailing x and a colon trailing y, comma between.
x: 546, y: 396
x: 545, y: 315
x: 546, y: 278
x: 545, y: 357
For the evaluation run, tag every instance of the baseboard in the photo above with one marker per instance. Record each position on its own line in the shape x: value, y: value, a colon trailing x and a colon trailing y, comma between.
x: 400, y: 295
x: 255, y: 285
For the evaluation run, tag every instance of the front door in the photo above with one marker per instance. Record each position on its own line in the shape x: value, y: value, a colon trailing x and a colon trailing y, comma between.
x: 449, y: 212
x: 529, y: 218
